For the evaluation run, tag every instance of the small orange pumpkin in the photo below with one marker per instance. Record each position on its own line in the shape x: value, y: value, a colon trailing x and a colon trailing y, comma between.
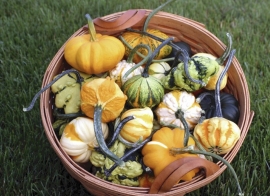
x: 93, y: 53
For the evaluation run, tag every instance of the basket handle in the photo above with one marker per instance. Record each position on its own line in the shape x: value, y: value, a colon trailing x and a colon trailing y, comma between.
x: 170, y: 176
x: 126, y: 20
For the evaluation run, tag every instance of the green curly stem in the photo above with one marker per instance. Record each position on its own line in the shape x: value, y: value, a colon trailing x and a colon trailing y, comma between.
x: 132, y: 53
x: 180, y: 115
x: 227, y: 51
x: 145, y: 26
x: 177, y: 48
x: 118, y: 129
x: 155, y: 52
x: 91, y: 27
x: 179, y: 51
x: 191, y: 150
x: 217, y: 90
x: 140, y: 54
x: 130, y: 144
x: 59, y: 115
x: 100, y: 139
x: 202, y: 96
x: 108, y: 172
x: 186, y: 60
x: 79, y: 80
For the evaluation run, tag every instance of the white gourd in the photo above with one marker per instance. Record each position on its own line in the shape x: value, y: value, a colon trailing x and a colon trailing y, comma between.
x: 78, y: 139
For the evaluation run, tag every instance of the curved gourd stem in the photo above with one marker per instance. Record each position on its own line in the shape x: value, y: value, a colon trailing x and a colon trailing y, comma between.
x: 130, y: 144
x: 153, y: 13
x: 59, y: 115
x: 118, y: 129
x: 91, y: 27
x: 192, y: 151
x: 155, y: 52
x: 179, y: 51
x: 217, y: 90
x: 180, y: 115
x: 108, y: 172
x: 132, y: 53
x: 202, y: 96
x: 100, y: 139
x: 227, y: 51
x: 184, y: 52
x: 79, y: 80
x: 185, y: 61
x: 140, y: 54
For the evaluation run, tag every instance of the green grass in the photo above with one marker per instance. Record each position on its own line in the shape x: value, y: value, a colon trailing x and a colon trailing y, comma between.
x: 31, y: 32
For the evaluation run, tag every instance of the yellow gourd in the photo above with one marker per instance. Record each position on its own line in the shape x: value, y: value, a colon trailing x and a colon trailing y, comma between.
x: 140, y: 127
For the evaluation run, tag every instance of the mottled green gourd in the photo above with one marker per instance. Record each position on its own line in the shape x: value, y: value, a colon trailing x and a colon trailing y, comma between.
x: 200, y: 68
x: 195, y: 72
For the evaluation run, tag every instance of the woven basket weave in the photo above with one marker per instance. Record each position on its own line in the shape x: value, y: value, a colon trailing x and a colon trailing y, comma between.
x: 200, y: 40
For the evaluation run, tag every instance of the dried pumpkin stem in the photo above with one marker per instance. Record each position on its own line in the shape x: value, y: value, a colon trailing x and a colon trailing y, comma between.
x: 59, y: 115
x: 79, y: 80
x: 130, y: 58
x: 227, y: 51
x: 100, y: 139
x: 179, y: 52
x: 155, y: 52
x: 108, y: 172
x: 217, y: 90
x: 91, y: 27
x: 224, y: 161
x: 140, y: 54
x: 180, y: 115
x: 118, y: 129
x: 184, y: 52
x: 202, y: 96
x: 130, y: 144
x: 145, y: 26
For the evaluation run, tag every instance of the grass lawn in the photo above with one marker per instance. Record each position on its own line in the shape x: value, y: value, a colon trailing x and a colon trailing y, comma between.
x: 31, y: 32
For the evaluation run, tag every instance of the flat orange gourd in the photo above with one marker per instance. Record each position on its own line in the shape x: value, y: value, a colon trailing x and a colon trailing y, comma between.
x: 103, y: 92
x: 157, y: 153
x: 93, y: 53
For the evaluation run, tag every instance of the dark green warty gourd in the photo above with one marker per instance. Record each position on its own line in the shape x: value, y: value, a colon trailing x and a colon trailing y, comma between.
x: 193, y: 73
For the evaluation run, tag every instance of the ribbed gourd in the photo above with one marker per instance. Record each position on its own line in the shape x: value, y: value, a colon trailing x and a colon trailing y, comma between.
x: 145, y: 90
x: 176, y: 105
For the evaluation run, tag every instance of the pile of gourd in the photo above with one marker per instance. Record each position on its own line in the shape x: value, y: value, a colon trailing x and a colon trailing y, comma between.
x: 133, y: 104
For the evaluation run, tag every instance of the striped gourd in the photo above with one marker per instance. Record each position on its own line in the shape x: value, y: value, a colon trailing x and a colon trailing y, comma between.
x: 143, y: 91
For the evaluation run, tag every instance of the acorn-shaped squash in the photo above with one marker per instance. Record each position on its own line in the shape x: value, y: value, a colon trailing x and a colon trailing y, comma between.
x: 145, y: 90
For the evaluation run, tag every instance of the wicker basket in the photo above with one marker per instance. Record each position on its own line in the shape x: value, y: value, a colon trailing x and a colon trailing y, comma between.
x: 200, y: 40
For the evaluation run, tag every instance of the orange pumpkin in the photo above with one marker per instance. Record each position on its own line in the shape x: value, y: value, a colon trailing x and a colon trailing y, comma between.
x: 157, y: 154
x: 93, y: 53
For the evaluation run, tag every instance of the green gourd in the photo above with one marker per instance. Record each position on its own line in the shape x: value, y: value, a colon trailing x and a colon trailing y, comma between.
x: 145, y: 90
